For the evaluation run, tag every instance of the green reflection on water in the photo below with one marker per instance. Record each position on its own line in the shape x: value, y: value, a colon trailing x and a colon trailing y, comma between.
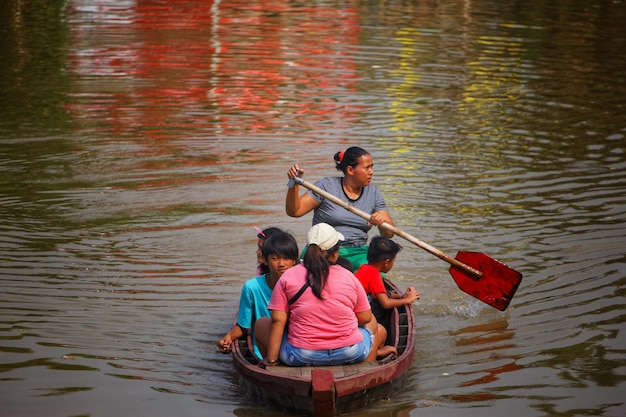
x: 33, y: 80
x: 47, y: 362
x: 63, y: 391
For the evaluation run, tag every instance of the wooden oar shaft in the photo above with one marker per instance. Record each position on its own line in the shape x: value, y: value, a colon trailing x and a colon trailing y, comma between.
x: 402, y: 234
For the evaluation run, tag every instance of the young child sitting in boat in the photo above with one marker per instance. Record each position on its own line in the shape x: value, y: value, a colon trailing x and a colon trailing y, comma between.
x: 280, y: 252
x: 262, y: 235
x: 381, y: 255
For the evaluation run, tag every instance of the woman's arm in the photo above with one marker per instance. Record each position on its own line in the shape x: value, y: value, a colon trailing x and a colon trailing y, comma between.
x: 379, y: 217
x: 279, y: 320
x: 298, y: 205
x: 364, y: 317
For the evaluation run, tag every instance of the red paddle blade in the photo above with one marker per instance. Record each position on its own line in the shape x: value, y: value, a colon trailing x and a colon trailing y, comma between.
x: 495, y: 287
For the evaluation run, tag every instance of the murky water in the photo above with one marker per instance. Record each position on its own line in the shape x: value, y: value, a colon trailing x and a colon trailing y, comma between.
x: 140, y: 141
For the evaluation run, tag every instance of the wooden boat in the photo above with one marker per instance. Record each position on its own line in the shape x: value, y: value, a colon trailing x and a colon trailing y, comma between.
x: 325, y: 391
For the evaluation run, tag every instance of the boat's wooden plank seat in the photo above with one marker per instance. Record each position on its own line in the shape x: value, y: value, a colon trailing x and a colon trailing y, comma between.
x: 338, y: 371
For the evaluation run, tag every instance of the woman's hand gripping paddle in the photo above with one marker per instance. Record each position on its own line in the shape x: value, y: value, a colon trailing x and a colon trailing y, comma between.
x: 477, y: 274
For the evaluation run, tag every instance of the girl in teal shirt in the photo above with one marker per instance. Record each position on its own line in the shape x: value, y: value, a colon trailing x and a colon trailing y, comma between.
x: 280, y: 252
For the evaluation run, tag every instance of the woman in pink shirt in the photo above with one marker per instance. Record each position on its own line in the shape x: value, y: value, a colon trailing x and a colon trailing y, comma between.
x: 330, y: 319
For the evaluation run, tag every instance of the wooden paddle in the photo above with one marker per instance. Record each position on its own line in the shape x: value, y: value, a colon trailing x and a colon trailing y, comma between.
x: 477, y: 274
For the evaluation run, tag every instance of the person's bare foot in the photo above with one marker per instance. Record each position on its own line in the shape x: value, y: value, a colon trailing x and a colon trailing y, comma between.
x: 386, y: 351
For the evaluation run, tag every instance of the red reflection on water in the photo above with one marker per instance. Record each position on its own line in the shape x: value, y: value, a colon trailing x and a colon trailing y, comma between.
x: 485, y: 339
x: 156, y: 69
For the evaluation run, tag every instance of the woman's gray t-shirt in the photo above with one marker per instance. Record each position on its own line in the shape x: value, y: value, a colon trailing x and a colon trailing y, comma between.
x: 351, y: 226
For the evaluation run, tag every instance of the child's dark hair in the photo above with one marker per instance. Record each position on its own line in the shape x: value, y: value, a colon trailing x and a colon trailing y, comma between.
x: 265, y: 234
x: 282, y: 244
x: 348, y: 158
x: 382, y: 248
x: 341, y: 261
x: 318, y: 267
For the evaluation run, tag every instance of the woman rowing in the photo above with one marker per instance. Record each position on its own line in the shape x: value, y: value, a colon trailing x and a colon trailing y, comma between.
x: 354, y: 187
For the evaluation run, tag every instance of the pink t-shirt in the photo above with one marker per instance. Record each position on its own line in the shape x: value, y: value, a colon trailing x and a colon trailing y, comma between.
x: 321, y: 324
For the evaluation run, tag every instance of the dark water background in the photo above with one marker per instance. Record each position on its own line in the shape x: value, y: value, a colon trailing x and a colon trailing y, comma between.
x: 140, y: 141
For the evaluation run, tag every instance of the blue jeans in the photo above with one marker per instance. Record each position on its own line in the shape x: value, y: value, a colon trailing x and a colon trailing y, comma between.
x: 294, y: 356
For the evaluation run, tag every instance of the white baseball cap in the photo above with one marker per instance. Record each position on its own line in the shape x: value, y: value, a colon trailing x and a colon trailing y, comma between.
x: 324, y: 236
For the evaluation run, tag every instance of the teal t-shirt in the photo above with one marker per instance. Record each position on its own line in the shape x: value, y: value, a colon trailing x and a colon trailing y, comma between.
x: 255, y: 296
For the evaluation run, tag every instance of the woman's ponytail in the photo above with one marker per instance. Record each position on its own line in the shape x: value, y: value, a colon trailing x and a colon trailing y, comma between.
x: 318, y: 267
